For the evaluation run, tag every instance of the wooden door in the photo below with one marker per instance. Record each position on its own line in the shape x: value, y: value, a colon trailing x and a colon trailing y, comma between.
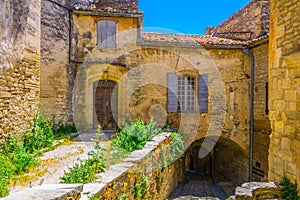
x: 105, y: 99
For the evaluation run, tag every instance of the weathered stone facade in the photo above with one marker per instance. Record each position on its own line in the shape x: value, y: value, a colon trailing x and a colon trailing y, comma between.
x: 55, y: 58
x: 63, y: 84
x: 19, y: 64
x: 284, y: 84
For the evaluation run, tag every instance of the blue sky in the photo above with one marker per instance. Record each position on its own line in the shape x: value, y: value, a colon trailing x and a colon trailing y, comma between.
x: 187, y: 16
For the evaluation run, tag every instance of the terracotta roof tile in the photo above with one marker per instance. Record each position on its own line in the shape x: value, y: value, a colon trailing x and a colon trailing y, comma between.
x: 189, y: 40
x: 250, y: 22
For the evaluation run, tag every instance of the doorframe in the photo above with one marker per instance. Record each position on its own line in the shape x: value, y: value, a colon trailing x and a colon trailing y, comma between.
x: 96, y: 73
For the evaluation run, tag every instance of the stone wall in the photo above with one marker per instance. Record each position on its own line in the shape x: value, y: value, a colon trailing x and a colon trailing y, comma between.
x: 19, y: 64
x: 55, y: 34
x: 262, y: 128
x: 123, y: 178
x: 284, y: 84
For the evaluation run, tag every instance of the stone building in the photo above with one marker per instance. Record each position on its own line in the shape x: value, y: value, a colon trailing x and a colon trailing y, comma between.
x: 91, y: 63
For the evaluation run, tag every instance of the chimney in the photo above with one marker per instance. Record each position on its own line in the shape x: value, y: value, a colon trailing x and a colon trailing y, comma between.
x: 208, y: 30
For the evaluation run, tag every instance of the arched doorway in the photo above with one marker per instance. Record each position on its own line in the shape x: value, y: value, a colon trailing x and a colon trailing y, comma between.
x: 226, y: 160
x: 105, y: 104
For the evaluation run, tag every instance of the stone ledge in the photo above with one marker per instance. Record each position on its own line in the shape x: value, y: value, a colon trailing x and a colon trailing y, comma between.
x: 53, y: 192
x: 257, y: 190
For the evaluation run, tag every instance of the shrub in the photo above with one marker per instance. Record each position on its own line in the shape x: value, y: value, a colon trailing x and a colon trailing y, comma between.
x: 176, y: 147
x: 289, y: 190
x: 18, y: 154
x: 40, y: 135
x: 134, y: 135
x: 63, y: 130
x: 5, y: 175
x: 86, y: 170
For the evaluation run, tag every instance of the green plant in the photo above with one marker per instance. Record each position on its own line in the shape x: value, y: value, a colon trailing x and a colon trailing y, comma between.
x: 18, y: 154
x: 140, y: 187
x: 40, y: 135
x: 134, y: 135
x: 176, y: 147
x: 5, y: 175
x: 63, y: 130
x: 159, y: 180
x: 289, y: 190
x: 85, y: 171
x: 95, y: 198
x: 123, y: 197
x: 20, y: 159
x: 80, y: 173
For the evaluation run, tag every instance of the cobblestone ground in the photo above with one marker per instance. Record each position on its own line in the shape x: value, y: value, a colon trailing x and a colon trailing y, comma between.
x: 201, y: 187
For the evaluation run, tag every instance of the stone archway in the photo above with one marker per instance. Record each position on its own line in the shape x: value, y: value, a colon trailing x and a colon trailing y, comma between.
x: 226, y: 160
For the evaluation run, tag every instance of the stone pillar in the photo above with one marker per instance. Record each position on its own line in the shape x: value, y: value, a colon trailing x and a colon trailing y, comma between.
x: 284, y: 87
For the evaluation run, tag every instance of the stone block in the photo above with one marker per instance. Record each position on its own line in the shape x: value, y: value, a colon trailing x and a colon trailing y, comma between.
x: 49, y: 192
x: 257, y: 190
x: 290, y: 95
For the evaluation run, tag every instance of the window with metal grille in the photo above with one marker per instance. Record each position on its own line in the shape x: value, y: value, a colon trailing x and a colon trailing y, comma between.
x: 186, y: 93
x: 106, y: 37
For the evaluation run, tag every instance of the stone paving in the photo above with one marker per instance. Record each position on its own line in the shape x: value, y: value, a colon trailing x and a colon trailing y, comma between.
x: 54, y: 163
x: 202, y: 187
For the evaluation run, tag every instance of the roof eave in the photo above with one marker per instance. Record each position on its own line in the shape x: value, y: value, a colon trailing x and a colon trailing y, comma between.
x: 107, y: 13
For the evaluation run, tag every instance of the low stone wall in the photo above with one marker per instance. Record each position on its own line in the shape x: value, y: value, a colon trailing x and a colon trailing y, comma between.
x: 257, y: 190
x: 145, y: 172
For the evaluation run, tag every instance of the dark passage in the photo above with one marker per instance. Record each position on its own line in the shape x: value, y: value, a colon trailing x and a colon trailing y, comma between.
x: 199, y: 186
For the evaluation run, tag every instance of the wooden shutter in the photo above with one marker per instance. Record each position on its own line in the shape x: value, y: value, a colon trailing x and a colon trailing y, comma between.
x: 111, y: 34
x: 106, y: 37
x: 172, y: 80
x: 101, y: 36
x: 203, y: 93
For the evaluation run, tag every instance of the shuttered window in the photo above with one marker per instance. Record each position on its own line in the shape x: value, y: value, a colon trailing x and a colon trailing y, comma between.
x: 106, y: 37
x: 182, y: 94
x: 172, y: 92
x: 203, y: 93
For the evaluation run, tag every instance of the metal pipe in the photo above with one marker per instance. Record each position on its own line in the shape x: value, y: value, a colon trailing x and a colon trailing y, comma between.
x: 247, y: 51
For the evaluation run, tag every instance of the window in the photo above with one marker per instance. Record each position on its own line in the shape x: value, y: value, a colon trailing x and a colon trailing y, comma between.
x: 183, y: 95
x: 106, y: 37
x: 186, y: 93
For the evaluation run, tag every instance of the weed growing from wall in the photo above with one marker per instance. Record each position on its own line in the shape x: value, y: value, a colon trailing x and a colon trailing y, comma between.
x: 289, y: 190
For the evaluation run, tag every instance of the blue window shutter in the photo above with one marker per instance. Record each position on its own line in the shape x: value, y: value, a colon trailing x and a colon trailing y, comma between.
x: 172, y: 80
x: 203, y: 93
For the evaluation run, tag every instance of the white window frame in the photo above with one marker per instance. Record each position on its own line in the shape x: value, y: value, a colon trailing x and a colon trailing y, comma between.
x: 187, y: 96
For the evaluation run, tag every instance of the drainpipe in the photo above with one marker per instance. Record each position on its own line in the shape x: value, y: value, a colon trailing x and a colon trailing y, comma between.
x: 247, y: 51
